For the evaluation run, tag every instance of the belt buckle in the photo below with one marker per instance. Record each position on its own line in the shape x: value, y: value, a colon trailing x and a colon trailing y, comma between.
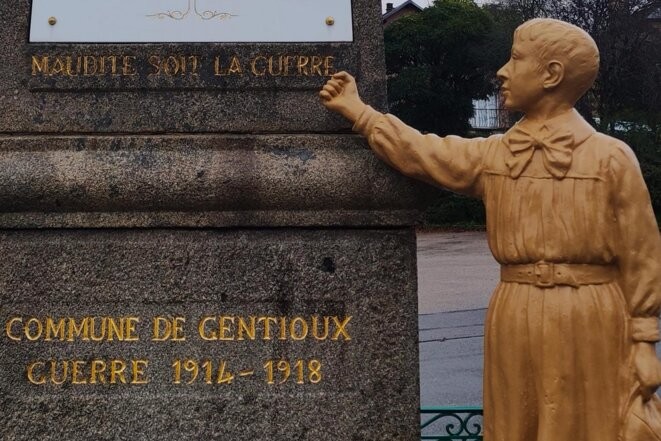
x: 544, y: 275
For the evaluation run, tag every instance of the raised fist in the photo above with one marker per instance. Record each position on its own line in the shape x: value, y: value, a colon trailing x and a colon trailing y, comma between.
x: 340, y: 94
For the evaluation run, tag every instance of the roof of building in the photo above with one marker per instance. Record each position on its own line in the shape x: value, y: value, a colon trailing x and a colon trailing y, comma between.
x: 654, y: 13
x: 406, y: 4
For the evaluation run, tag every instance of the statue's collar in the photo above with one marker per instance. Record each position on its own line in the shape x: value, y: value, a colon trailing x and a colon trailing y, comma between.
x: 570, y: 121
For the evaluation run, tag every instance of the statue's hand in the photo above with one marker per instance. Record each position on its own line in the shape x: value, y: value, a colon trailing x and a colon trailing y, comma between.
x: 648, y: 369
x: 340, y: 95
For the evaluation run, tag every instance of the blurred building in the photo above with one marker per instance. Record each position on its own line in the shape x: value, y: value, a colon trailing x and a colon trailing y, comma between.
x: 395, y: 13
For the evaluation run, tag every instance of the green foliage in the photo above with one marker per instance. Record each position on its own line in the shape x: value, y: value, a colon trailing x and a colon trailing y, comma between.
x: 647, y: 146
x: 457, y: 211
x: 438, y: 61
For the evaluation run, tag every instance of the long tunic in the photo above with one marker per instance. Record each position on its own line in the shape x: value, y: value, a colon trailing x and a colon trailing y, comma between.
x: 557, y: 360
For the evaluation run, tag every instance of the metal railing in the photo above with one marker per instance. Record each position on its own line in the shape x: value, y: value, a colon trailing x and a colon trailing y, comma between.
x: 451, y: 423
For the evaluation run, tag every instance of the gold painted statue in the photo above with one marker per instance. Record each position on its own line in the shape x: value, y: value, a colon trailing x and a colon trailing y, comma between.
x: 571, y: 328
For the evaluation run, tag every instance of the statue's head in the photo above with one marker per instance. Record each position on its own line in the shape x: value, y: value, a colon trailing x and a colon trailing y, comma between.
x: 551, y: 60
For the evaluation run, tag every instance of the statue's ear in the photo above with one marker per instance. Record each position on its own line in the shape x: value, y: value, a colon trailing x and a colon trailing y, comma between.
x: 553, y: 74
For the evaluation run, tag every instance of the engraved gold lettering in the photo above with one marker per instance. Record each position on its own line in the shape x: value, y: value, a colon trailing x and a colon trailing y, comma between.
x: 102, y: 66
x: 267, y: 326
x: 195, y: 61
x: 128, y: 69
x: 90, y: 66
x: 29, y: 334
x: 235, y: 66
x: 315, y: 67
x: 117, y: 368
x: 157, y: 335
x: 329, y: 69
x: 78, y: 331
x: 340, y: 328
x: 225, y: 328
x: 41, y: 379
x: 253, y: 66
x: 282, y: 335
x: 287, y: 60
x: 39, y: 66
x: 302, y: 65
x: 217, y: 68
x: 8, y: 328
x: 233, y: 69
x: 155, y: 62
x: 70, y: 72
x: 75, y: 366
x: 202, y: 329
x: 302, y: 327
x: 315, y: 328
x: 93, y: 326
x: 53, y: 330
x: 115, y: 330
x: 113, y: 65
x: 138, y: 369
x: 64, y: 372
x: 280, y: 68
x: 248, y: 329
x: 178, y: 329
x: 130, y: 333
x: 58, y: 67
x: 97, y: 368
x: 171, y: 66
x: 166, y: 329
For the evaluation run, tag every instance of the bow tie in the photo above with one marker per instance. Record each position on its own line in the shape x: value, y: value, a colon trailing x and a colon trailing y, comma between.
x: 556, y: 150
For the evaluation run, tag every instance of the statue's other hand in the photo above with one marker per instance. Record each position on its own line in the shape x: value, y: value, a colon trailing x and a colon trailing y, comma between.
x: 648, y: 369
x: 340, y: 94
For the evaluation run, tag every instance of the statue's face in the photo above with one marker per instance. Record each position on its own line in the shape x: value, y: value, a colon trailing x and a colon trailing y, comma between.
x: 521, y: 77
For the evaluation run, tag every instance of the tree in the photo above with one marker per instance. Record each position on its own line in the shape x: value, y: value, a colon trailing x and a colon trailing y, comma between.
x: 438, y: 61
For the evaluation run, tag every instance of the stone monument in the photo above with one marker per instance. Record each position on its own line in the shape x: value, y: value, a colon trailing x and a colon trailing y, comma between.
x: 192, y: 246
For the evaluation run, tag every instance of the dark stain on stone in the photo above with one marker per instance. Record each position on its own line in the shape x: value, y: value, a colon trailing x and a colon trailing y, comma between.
x: 200, y: 174
x: 295, y: 153
x: 114, y: 191
x: 104, y: 122
x: 80, y: 144
x: 327, y: 265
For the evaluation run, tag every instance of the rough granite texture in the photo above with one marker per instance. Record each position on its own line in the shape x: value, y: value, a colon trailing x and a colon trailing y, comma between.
x: 201, y: 180
x: 370, y: 385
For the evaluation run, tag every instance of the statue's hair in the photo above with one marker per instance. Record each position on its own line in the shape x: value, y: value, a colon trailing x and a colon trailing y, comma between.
x: 567, y: 43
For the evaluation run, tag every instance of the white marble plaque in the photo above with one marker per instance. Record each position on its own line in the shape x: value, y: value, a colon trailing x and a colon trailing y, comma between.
x: 154, y: 21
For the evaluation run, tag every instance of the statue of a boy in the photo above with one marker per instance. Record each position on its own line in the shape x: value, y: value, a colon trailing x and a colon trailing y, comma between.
x: 572, y: 326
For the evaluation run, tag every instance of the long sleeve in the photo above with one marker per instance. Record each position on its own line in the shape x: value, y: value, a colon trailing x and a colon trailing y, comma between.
x: 451, y: 162
x: 638, y: 245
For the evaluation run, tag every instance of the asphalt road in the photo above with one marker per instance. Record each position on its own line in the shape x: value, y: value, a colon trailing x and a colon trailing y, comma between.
x: 456, y: 274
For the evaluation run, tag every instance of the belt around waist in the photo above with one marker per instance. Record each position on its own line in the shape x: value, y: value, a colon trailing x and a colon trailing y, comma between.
x: 548, y: 275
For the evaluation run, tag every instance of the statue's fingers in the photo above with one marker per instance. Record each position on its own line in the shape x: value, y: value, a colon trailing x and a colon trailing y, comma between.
x: 343, y: 77
x: 331, y: 90
x: 335, y: 84
x: 325, y: 95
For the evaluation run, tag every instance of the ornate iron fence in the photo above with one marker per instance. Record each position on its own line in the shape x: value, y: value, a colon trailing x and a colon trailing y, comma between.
x: 451, y: 423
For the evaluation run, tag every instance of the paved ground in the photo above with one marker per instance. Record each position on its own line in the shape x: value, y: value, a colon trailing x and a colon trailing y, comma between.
x: 456, y: 275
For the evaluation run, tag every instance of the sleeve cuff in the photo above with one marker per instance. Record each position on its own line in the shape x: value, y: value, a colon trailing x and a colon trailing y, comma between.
x: 645, y: 329
x: 366, y: 121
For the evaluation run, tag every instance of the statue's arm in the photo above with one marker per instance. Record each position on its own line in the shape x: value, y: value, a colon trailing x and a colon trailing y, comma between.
x: 451, y: 162
x: 639, y: 261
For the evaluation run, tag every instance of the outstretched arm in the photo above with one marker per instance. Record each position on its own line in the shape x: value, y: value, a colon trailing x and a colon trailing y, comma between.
x: 451, y: 162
